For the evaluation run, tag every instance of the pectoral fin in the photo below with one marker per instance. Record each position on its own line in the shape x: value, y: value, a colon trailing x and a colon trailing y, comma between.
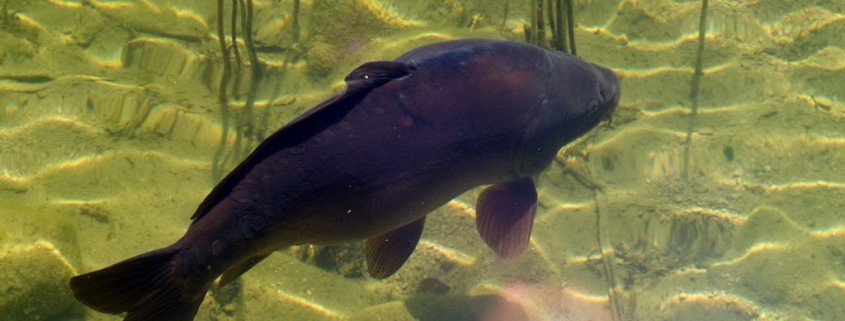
x: 505, y: 215
x: 240, y: 268
x: 387, y: 252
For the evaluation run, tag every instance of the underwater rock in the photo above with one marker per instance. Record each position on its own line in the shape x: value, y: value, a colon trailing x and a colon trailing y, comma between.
x: 33, y: 282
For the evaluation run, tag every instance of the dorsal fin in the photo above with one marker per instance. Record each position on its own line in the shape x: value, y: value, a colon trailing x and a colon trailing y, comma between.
x: 376, y: 73
x: 359, y: 82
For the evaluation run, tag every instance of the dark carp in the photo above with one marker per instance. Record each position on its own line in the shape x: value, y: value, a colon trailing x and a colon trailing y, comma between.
x: 404, y: 137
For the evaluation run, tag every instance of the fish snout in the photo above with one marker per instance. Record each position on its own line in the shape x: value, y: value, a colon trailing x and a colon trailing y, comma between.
x: 610, y: 90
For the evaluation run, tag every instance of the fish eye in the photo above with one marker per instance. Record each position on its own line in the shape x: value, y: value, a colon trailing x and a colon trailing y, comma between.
x: 366, y: 76
x: 593, y: 108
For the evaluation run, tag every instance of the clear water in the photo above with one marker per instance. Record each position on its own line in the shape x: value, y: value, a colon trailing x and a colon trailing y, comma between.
x: 728, y: 206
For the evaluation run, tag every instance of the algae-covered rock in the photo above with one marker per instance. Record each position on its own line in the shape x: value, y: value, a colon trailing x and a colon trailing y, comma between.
x: 33, y: 282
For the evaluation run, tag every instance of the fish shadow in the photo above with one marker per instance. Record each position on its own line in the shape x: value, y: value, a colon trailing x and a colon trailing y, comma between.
x: 485, y: 307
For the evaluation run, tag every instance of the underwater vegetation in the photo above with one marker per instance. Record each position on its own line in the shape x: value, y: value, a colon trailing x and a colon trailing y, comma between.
x: 561, y: 23
x: 110, y: 121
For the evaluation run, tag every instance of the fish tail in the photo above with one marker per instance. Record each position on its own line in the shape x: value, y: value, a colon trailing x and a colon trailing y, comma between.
x: 149, y: 287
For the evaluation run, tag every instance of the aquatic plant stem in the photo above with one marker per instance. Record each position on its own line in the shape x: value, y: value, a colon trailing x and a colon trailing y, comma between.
x: 243, y: 118
x: 570, y: 26
x: 550, y: 14
x: 561, y: 34
x: 586, y: 179
x: 295, y: 22
x: 695, y: 89
x: 3, y: 12
x: 550, y: 10
x: 532, y: 33
x: 237, y: 70
x: 237, y: 150
x: 607, y: 256
x: 245, y: 135
x: 255, y: 67
x: 216, y: 164
x: 234, y: 34
x: 505, y: 16
x: 541, y: 25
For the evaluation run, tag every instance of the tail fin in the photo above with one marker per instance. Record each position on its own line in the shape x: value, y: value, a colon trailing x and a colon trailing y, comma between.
x: 147, y: 286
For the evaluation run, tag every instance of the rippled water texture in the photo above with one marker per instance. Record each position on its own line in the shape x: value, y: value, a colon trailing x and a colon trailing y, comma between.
x: 112, y: 131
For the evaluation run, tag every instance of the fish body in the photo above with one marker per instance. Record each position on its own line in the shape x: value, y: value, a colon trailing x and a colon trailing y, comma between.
x: 405, y: 137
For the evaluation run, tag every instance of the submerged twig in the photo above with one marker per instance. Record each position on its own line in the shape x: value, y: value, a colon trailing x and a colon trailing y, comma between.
x: 695, y: 88
x: 584, y: 178
x: 607, y: 262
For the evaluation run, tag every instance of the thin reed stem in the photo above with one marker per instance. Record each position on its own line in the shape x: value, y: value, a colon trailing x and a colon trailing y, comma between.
x: 570, y: 25
x: 217, y: 164
x: 695, y: 89
x: 561, y: 43
x: 295, y: 22
x: 541, y: 25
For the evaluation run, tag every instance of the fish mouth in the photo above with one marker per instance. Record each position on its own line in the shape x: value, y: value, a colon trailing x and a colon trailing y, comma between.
x: 614, y: 103
x: 608, y: 83
x: 611, y: 81
x: 608, y: 118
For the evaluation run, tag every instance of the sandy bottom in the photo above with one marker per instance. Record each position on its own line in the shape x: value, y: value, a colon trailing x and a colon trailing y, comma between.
x: 110, y: 120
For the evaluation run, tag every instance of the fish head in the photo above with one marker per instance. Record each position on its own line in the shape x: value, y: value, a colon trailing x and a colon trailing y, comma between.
x: 579, y: 96
x: 609, y: 91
